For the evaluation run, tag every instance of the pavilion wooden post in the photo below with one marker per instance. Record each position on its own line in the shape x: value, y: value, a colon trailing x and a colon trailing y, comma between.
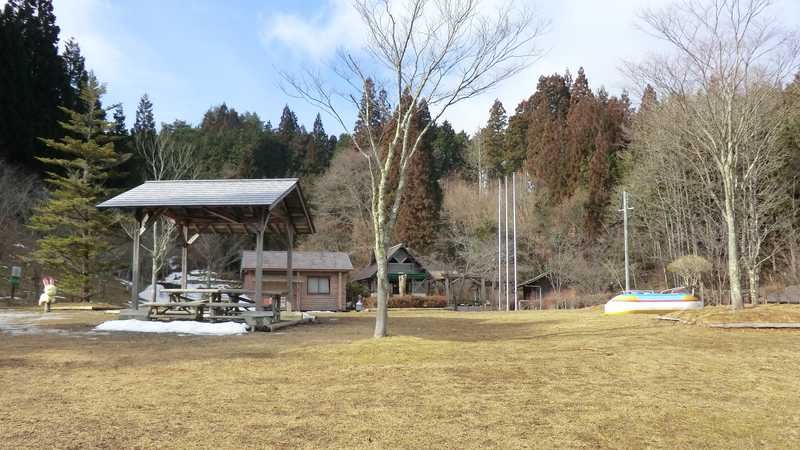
x: 289, y: 265
x: 260, y: 227
x: 135, y: 271
x: 184, y: 256
x: 135, y: 261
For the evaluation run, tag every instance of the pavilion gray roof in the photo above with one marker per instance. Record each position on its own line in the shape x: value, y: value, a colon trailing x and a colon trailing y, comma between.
x: 203, y: 193
x: 219, y: 206
x: 336, y: 261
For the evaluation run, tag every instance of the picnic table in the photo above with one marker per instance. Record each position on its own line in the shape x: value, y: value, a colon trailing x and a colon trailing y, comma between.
x: 213, y: 305
x: 214, y: 294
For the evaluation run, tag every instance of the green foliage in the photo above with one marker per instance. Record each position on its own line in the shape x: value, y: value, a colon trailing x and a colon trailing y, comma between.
x: 76, y: 74
x: 447, y: 150
x: 35, y: 81
x: 418, y: 216
x: 354, y: 289
x: 494, y: 144
x: 144, y: 127
x: 74, y: 233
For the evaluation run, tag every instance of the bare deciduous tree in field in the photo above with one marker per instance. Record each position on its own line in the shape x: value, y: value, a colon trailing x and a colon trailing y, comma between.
x: 164, y: 159
x: 728, y: 63
x: 433, y: 52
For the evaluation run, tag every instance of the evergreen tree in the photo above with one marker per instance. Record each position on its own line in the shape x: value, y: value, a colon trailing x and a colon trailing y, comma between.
x: 290, y: 135
x: 649, y: 99
x: 418, y: 217
x: 610, y: 140
x: 548, y: 159
x: 76, y: 73
x: 34, y: 80
x: 581, y: 131
x: 288, y: 126
x: 144, y: 127
x: 74, y: 232
x: 375, y: 106
x: 494, y: 140
x: 322, y: 148
x: 119, y: 129
x: 223, y: 139
x: 447, y: 150
x: 517, y: 136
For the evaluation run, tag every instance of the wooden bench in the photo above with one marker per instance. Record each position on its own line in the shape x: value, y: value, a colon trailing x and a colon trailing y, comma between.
x: 256, y: 319
x: 192, y: 309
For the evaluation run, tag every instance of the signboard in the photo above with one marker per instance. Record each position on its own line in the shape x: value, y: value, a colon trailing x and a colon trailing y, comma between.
x: 16, y: 274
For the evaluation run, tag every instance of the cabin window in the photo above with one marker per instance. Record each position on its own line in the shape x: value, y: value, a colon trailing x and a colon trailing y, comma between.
x: 319, y: 285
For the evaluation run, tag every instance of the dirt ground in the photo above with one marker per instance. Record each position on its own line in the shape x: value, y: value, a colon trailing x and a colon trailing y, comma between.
x: 552, y: 379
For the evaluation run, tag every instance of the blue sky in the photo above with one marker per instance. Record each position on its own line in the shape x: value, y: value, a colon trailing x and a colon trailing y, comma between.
x: 190, y: 55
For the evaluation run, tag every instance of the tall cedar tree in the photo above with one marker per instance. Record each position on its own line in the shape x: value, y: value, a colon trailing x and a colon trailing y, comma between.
x: 144, y: 126
x: 77, y: 75
x: 221, y: 141
x: 375, y: 106
x: 581, y: 131
x: 517, y: 136
x: 293, y: 136
x: 321, y: 151
x: 548, y: 160
x: 448, y: 149
x: 34, y: 80
x: 74, y: 232
x: 418, y: 216
x: 494, y: 140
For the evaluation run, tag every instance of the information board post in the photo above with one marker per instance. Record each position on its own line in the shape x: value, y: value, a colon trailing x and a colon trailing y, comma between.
x: 16, y: 275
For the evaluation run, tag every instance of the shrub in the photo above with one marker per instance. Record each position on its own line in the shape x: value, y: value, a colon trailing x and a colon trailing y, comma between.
x: 691, y: 268
x: 410, y: 301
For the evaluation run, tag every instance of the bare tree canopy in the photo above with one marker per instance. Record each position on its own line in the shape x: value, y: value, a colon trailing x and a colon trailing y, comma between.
x: 720, y: 87
x: 435, y: 53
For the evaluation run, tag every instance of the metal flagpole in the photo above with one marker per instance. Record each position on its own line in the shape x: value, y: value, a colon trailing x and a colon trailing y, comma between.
x: 514, y: 216
x: 499, y: 246
x: 505, y: 216
x: 625, y: 232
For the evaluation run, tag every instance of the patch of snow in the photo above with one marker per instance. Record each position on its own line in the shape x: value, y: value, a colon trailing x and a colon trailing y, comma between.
x: 23, y: 322
x: 147, y: 294
x: 181, y: 327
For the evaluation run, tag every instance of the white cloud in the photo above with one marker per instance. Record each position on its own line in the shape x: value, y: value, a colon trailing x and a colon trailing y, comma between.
x: 79, y: 19
x: 316, y: 38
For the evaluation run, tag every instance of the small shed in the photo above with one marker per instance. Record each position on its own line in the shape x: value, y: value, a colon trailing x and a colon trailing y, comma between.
x: 535, y: 289
x: 320, y: 277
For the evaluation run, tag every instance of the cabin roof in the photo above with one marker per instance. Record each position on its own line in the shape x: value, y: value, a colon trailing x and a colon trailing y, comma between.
x: 276, y: 260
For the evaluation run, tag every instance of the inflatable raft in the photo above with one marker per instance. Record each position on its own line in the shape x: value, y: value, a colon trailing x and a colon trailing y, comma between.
x: 649, y: 301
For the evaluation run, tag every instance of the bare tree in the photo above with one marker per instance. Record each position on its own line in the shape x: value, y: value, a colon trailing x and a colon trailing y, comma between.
x: 433, y: 52
x: 19, y: 194
x: 729, y: 58
x: 164, y: 159
x: 218, y: 251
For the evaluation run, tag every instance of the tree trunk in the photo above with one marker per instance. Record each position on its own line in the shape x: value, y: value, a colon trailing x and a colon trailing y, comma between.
x: 752, y: 277
x: 734, y: 276
x: 381, y: 319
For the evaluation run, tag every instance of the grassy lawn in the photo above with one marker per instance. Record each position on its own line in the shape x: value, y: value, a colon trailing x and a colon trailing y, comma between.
x: 553, y: 379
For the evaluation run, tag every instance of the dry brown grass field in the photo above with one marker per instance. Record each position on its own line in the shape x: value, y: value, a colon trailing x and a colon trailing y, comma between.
x: 552, y: 379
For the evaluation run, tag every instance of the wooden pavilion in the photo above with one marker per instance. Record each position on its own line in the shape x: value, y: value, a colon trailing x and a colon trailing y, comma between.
x: 218, y: 206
